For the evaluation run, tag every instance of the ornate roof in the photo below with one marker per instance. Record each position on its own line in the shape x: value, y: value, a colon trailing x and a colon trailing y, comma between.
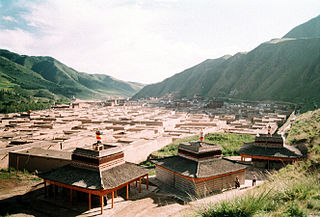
x: 96, y: 170
x: 199, y: 151
x: 195, y: 169
x: 94, y: 179
x: 285, y: 151
x: 272, y: 146
x: 199, y: 147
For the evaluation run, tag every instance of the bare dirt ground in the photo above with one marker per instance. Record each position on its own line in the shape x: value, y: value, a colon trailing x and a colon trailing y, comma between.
x: 23, y: 195
x: 26, y: 198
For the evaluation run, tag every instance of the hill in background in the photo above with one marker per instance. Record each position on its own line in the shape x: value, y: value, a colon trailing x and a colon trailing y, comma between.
x: 310, y: 29
x: 48, y: 78
x: 286, y: 69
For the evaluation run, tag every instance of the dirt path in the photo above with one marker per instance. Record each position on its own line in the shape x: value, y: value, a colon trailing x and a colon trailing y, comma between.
x: 159, y: 205
x: 147, y: 203
x: 147, y: 207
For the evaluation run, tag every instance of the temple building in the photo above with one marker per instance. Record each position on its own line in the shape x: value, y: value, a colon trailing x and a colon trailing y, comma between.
x: 100, y: 170
x: 271, y: 152
x: 199, y: 169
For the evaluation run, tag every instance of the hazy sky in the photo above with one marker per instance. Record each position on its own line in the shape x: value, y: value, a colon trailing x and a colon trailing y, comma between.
x: 145, y: 40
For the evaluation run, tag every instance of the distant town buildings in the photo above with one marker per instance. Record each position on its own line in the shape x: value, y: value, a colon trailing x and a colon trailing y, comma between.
x: 141, y: 126
x: 215, y: 104
x: 55, y: 143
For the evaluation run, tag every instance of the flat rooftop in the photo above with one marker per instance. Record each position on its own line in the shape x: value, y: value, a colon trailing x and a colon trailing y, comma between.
x: 39, y: 152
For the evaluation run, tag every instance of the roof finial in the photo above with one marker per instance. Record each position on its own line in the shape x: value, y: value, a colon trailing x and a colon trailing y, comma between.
x: 201, y: 136
x: 269, y: 130
x: 98, y: 146
x: 98, y: 136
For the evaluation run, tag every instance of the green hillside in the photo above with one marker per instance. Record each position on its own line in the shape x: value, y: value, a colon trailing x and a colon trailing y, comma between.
x: 46, y: 77
x: 291, y: 191
x: 281, y: 69
x: 306, y: 129
x: 310, y: 29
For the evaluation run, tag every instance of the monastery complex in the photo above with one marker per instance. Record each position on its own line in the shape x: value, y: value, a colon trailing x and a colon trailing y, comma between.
x: 139, y: 129
x: 94, y: 149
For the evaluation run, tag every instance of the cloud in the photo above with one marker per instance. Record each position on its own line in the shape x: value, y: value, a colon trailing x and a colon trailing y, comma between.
x: 120, y: 40
x: 8, y: 18
x: 140, y: 40
x: 16, y: 40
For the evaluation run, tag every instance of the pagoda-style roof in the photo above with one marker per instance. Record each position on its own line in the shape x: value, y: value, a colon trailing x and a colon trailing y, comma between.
x: 96, y: 169
x: 274, y: 141
x: 271, y: 146
x: 95, y: 179
x: 199, y: 151
x: 199, y: 147
x: 286, y: 151
x: 108, y: 150
x: 195, y: 169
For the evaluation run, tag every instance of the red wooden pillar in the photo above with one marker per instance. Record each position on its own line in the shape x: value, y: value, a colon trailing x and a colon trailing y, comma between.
x: 147, y: 181
x: 101, y: 204
x: 89, y: 200
x: 116, y: 194
x: 112, y: 199
x: 140, y: 185
x: 127, y: 196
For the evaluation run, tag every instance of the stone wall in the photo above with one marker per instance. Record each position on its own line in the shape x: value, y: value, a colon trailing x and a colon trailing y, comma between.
x: 32, y: 163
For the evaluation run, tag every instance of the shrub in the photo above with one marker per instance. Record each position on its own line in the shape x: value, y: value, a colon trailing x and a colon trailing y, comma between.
x: 294, y: 210
x: 244, y: 206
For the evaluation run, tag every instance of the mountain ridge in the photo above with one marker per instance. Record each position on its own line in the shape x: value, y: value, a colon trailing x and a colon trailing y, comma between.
x: 309, y: 29
x: 284, y: 69
x: 57, y: 79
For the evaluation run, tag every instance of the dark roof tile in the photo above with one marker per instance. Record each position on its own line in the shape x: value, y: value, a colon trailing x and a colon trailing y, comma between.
x: 76, y: 176
x: 285, y: 152
x: 195, y: 169
x: 91, y: 179
x: 121, y: 174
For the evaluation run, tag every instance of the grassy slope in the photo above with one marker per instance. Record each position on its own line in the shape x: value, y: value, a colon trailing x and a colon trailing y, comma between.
x: 181, y: 82
x: 34, y: 73
x: 283, y: 71
x: 11, y: 173
x: 310, y: 29
x: 291, y: 191
x: 306, y: 129
x: 228, y: 141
